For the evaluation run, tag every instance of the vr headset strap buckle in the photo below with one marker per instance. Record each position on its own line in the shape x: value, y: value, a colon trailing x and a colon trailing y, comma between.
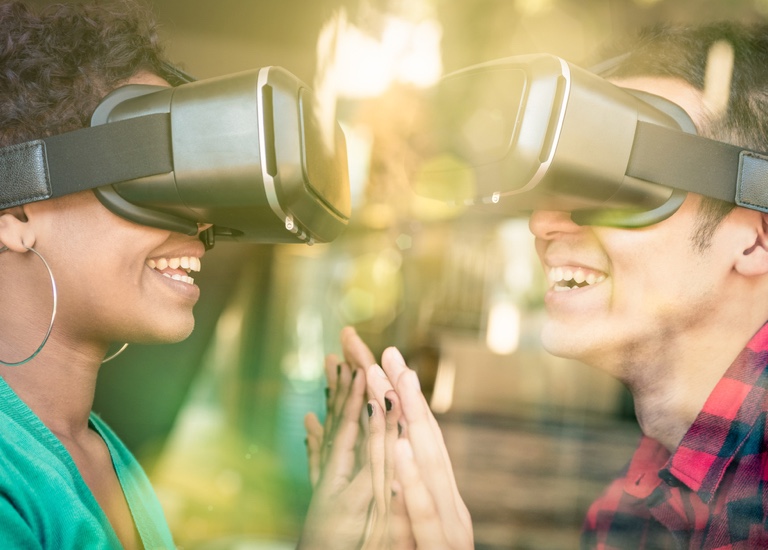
x: 23, y: 174
x: 752, y: 185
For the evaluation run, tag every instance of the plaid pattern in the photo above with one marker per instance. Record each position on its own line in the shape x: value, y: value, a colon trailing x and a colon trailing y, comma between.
x: 711, y: 492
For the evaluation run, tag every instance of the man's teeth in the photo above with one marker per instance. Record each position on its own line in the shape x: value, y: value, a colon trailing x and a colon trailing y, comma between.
x: 567, y: 278
x: 187, y: 263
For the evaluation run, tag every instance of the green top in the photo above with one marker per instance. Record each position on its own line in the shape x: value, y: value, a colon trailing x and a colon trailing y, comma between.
x: 44, y: 501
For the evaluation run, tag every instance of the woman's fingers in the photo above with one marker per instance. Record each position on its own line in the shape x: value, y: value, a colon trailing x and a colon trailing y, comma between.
x: 377, y: 457
x: 343, y: 382
x: 383, y: 433
x: 342, y: 445
x: 339, y: 382
x: 392, y: 432
x: 332, y: 375
x: 356, y: 352
x: 314, y: 446
x: 378, y: 384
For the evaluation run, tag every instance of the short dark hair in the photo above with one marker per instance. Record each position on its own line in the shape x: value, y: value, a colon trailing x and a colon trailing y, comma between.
x: 59, y: 61
x: 682, y: 52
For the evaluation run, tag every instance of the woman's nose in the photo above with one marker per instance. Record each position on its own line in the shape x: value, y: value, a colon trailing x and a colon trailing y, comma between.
x: 546, y: 224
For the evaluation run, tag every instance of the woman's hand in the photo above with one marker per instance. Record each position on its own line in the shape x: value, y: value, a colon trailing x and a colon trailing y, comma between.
x: 340, y: 511
x: 391, y: 525
x: 390, y: 528
x: 338, y: 467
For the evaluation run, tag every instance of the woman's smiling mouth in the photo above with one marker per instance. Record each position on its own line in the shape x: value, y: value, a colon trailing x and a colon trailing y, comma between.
x: 177, y: 269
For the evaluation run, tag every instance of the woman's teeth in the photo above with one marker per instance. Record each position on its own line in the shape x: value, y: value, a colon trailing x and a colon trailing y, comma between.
x: 186, y: 263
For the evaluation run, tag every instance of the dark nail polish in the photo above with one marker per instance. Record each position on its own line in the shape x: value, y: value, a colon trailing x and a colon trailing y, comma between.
x: 338, y: 369
x: 388, y: 404
x: 370, y: 410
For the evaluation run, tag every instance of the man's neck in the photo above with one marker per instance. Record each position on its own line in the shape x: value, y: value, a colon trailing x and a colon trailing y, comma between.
x: 671, y: 387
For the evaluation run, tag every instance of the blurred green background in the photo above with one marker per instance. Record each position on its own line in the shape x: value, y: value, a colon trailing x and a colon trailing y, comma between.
x: 217, y: 419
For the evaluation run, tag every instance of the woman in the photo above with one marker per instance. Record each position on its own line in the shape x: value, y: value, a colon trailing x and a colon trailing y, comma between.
x: 66, y: 481
x: 77, y: 279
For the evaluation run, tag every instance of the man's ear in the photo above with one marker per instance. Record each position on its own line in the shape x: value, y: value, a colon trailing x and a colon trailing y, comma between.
x: 754, y: 258
x: 15, y: 232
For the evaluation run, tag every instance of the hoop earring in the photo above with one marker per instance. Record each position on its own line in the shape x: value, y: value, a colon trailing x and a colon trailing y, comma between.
x: 118, y: 352
x: 53, y: 313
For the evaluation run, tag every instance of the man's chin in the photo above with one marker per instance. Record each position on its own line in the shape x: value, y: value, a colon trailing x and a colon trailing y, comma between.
x: 563, y: 343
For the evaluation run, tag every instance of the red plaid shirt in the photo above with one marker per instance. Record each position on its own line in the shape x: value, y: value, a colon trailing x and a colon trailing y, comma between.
x: 712, y: 491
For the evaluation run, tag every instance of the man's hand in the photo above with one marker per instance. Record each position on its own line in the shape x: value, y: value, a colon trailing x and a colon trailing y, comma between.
x: 439, y: 519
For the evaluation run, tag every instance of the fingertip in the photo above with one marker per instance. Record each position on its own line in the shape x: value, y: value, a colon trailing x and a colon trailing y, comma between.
x: 309, y: 419
x: 331, y: 360
x: 393, y: 354
x: 312, y: 423
x: 348, y: 330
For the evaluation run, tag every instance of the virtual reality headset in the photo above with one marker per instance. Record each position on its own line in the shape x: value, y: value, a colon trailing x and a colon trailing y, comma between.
x: 244, y: 152
x: 536, y: 132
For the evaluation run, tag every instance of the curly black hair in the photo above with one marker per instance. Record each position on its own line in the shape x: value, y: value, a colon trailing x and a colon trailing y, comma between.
x: 59, y: 61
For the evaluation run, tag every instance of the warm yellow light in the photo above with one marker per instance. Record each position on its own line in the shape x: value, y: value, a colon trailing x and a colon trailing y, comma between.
x: 356, y: 64
x: 533, y: 7
x: 503, y: 330
x: 717, y: 79
x: 445, y: 380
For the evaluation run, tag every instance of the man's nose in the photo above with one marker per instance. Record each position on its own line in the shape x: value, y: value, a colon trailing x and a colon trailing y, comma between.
x: 547, y: 224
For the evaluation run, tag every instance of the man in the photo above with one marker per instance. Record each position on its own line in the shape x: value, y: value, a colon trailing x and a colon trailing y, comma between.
x: 680, y: 319
x: 675, y: 310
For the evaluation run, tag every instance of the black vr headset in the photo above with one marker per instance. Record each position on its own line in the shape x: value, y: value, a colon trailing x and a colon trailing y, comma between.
x: 536, y: 132
x: 244, y: 152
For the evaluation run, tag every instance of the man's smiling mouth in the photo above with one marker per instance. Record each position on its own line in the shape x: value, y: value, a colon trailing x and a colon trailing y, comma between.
x: 176, y: 268
x: 566, y: 278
